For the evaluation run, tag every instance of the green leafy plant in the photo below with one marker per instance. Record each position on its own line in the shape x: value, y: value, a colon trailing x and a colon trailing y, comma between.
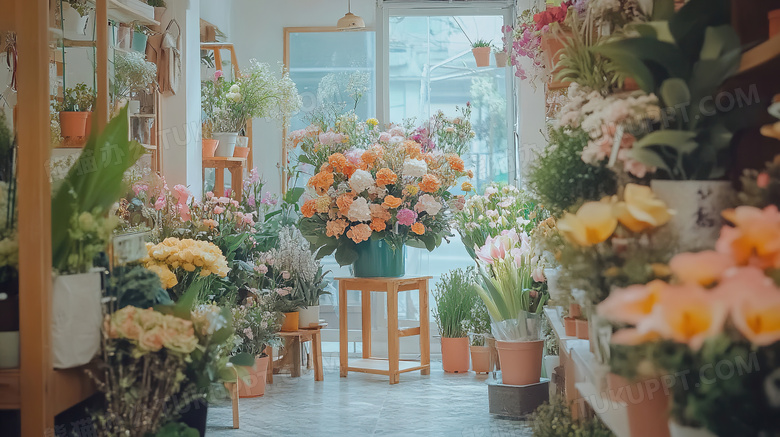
x: 156, y: 3
x: 685, y: 60
x: 478, y: 323
x: 559, y: 177
x: 256, y: 324
x: 455, y: 297
x: 311, y: 290
x: 554, y: 419
x: 135, y: 285
x: 481, y: 43
x: 92, y: 186
x: 81, y: 6
x: 175, y: 429
x: 77, y: 99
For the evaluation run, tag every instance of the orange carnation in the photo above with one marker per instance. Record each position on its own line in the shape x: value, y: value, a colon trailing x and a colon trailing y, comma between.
x: 335, y: 228
x: 430, y: 183
x: 418, y: 228
x: 337, y: 161
x: 309, y: 208
x: 412, y: 149
x: 359, y: 233
x: 385, y: 176
x: 326, y: 168
x: 379, y: 212
x: 378, y: 224
x: 392, y: 202
x: 348, y: 169
x: 321, y: 181
x: 344, y: 202
x: 369, y: 157
x: 455, y: 162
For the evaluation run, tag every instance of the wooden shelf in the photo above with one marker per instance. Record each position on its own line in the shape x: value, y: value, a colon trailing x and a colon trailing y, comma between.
x: 612, y: 413
x: 69, y: 387
x: 381, y: 366
x: 10, y: 393
x: 119, y: 12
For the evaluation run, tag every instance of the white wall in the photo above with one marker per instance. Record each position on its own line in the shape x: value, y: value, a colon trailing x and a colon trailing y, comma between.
x: 256, y: 27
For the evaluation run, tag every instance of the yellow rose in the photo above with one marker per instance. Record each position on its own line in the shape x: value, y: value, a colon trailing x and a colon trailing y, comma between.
x: 593, y: 223
x: 641, y: 209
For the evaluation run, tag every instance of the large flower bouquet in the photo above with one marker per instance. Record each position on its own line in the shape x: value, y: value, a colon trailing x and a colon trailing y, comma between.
x: 256, y: 93
x: 715, y: 329
x: 389, y: 188
x: 498, y: 209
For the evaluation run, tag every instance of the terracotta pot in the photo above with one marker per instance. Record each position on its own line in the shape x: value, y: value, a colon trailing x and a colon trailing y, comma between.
x: 647, y: 405
x: 455, y: 354
x: 501, y: 58
x: 481, y: 359
x: 630, y: 84
x: 582, y: 329
x: 73, y: 124
x: 774, y: 22
x: 88, y: 126
x: 575, y: 311
x: 290, y: 322
x: 494, y: 353
x: 241, y: 152
x: 254, y: 385
x: 481, y: 56
x: 551, y: 47
x: 209, y: 146
x: 570, y: 326
x: 521, y: 361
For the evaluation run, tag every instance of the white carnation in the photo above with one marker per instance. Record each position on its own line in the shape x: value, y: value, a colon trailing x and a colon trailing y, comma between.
x: 360, y: 181
x: 415, y: 168
x: 428, y: 203
x: 359, y: 211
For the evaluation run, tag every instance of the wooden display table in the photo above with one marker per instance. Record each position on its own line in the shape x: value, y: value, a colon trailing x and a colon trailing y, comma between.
x: 219, y: 164
x: 293, y: 340
x: 392, y: 366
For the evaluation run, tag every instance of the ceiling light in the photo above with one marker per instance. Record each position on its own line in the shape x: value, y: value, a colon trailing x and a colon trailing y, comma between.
x: 351, y: 21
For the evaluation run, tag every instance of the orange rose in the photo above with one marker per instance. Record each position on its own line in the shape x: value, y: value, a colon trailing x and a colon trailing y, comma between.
x: 418, y: 228
x: 344, y: 202
x: 455, y: 162
x: 309, y: 208
x: 392, y: 202
x: 337, y: 161
x: 335, y: 228
x: 377, y: 224
x: 359, y: 233
x: 430, y: 183
x: 385, y: 176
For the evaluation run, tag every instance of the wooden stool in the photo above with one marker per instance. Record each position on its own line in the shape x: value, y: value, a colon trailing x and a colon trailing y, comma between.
x: 392, y: 366
x: 219, y: 164
x: 296, y: 338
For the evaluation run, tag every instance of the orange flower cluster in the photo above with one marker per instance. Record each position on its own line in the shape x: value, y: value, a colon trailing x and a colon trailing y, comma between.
x: 385, y: 176
x: 430, y: 183
x: 418, y: 228
x: 321, y: 182
x: 455, y: 162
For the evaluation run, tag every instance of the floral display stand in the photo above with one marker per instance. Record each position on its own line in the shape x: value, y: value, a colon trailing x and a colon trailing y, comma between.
x: 293, y: 340
x: 236, y: 167
x: 392, y: 366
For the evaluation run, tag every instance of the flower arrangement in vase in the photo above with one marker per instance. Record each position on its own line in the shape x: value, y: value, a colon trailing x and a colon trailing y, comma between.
x: 377, y: 191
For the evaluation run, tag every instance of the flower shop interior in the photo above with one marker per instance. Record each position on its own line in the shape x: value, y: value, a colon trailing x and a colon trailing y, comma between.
x: 390, y: 217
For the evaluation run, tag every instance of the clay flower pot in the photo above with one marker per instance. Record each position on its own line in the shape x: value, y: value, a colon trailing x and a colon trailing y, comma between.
x: 241, y: 152
x: 570, y: 326
x: 73, y: 124
x: 455, y: 354
x: 501, y: 58
x: 290, y: 322
x: 647, y: 405
x: 582, y: 329
x: 481, y: 56
x: 521, y: 361
x: 575, y: 310
x: 209, y: 146
x: 481, y: 359
x: 253, y: 385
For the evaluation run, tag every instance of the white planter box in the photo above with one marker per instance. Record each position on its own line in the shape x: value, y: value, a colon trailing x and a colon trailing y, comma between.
x: 77, y: 315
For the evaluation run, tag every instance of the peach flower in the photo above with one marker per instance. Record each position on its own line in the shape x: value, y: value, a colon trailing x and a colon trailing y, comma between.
x: 593, y: 223
x: 757, y: 317
x: 385, y: 176
x: 633, y: 304
x: 344, y: 202
x: 335, y: 228
x: 391, y: 202
x: 337, y: 161
x: 456, y: 163
x: 418, y: 228
x: 755, y: 239
x: 379, y: 212
x: 309, y: 208
x: 412, y: 149
x: 641, y: 209
x: 430, y: 183
x: 359, y: 233
x: 702, y: 268
x: 378, y: 225
x: 688, y: 315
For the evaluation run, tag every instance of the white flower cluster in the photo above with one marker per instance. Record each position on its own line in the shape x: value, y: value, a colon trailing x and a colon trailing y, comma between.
x: 427, y: 203
x: 292, y: 254
x: 591, y: 111
x: 415, y: 168
x: 234, y: 94
x: 361, y: 180
x: 359, y: 211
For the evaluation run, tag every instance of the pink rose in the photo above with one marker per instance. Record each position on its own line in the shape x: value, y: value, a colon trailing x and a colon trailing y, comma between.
x: 218, y: 74
x: 160, y: 203
x: 406, y: 217
x: 763, y: 180
x: 218, y: 210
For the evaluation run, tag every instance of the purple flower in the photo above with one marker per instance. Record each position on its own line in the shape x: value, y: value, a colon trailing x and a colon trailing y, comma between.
x: 250, y: 200
x: 406, y: 217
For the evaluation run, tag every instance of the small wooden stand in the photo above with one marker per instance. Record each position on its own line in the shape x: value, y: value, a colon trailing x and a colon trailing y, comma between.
x: 293, y: 340
x: 392, y: 366
x: 219, y: 164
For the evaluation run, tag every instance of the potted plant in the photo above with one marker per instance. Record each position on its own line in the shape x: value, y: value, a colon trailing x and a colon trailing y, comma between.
x: 75, y: 16
x: 481, y: 51
x: 133, y: 74
x: 310, y: 289
x: 256, y: 325
x: 256, y: 93
x: 502, y: 56
x: 454, y: 298
x: 479, y: 335
x: 75, y: 111
x: 9, y: 252
x: 242, y: 147
x: 551, y: 346
x: 140, y: 37
x: 505, y: 285
x: 208, y: 144
x: 83, y: 200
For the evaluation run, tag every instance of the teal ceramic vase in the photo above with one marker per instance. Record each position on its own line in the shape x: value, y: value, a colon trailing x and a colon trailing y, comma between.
x: 377, y: 259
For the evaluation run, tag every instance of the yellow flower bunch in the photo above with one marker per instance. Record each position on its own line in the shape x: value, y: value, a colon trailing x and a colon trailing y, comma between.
x: 151, y: 331
x: 187, y: 254
x: 595, y: 222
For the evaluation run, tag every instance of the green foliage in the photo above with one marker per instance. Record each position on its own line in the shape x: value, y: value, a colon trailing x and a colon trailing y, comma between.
x: 92, y: 185
x: 559, y: 177
x: 135, y: 285
x: 175, y: 429
x: 77, y: 99
x: 685, y: 61
x: 156, y: 3
x: 481, y: 43
x: 455, y: 297
x: 310, y: 291
x: 554, y: 419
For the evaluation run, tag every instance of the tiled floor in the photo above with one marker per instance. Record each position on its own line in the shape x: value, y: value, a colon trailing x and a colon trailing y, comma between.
x: 366, y: 405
